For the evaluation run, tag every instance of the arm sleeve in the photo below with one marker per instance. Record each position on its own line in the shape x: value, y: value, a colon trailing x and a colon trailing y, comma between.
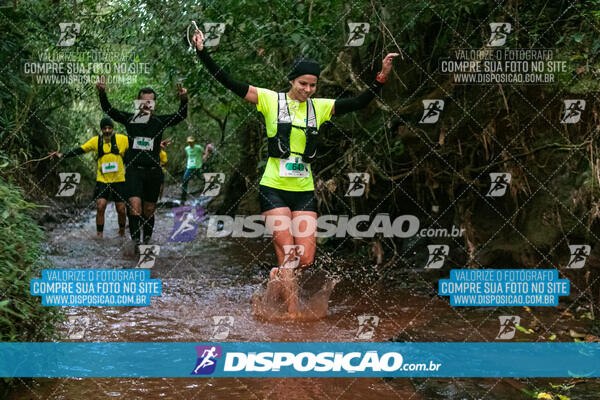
x: 115, y: 114
x: 74, y: 152
x: 180, y: 115
x: 239, y: 88
x: 346, y: 105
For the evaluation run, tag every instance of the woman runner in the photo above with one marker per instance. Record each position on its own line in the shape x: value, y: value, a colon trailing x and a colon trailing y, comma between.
x: 286, y: 190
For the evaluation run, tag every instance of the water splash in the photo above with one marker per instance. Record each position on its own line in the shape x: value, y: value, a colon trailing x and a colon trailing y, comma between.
x: 272, y: 304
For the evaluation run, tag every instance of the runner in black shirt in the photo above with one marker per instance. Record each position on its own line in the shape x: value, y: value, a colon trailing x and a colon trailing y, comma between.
x: 143, y: 172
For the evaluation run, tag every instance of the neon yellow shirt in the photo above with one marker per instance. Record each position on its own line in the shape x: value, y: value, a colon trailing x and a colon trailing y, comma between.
x: 267, y: 105
x: 110, y: 161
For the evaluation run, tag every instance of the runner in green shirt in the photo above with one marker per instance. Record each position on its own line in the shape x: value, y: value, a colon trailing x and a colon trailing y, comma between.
x: 286, y: 189
x: 196, y: 156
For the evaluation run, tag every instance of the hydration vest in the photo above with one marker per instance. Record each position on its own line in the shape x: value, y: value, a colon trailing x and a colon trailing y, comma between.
x: 113, y: 146
x: 279, y: 145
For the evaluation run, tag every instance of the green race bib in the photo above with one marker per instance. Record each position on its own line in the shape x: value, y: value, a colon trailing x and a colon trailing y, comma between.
x: 293, y: 167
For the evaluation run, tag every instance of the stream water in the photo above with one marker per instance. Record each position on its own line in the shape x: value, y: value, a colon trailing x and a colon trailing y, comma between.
x: 210, y: 278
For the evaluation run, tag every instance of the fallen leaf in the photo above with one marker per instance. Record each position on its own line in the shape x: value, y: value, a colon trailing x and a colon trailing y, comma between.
x: 566, y: 314
x: 574, y: 334
x: 590, y: 338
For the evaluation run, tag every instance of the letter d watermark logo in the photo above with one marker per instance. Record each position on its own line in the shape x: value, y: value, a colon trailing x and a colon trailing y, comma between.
x: 366, y: 326
x: 573, y: 110
x: 431, y: 111
x: 68, y: 183
x: 579, y: 255
x: 437, y: 255
x: 358, y: 184
x: 68, y: 33
x: 357, y: 33
x: 148, y: 254
x: 213, y: 182
x: 222, y: 324
x: 508, y: 326
x: 499, y: 184
x: 212, y: 33
x: 500, y: 31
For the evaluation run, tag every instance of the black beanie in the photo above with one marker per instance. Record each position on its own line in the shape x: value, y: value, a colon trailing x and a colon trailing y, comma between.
x: 303, y: 66
x: 106, y: 121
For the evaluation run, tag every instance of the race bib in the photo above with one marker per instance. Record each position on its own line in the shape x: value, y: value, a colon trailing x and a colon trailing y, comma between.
x: 143, y: 143
x: 191, y: 162
x: 110, y: 167
x: 293, y: 167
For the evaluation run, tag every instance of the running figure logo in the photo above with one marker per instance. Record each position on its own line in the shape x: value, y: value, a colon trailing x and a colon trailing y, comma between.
x: 292, y: 253
x: 207, y: 359
x: 579, y: 255
x: 68, y: 33
x: 366, y: 326
x: 143, y: 110
x: 437, y: 255
x: 77, y: 326
x: 221, y: 326
x: 500, y: 30
x: 68, y: 183
x: 432, y: 111
x: 148, y: 254
x: 186, y: 223
x: 508, y: 326
x: 500, y: 182
x: 213, y: 182
x: 212, y: 33
x: 358, y: 184
x: 573, y: 110
x: 357, y: 33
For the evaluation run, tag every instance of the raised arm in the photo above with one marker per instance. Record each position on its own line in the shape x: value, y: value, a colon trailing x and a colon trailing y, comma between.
x: 346, y: 105
x: 244, y: 90
x: 181, y: 114
x: 115, y: 114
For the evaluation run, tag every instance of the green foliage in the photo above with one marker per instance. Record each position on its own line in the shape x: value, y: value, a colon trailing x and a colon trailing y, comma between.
x: 261, y: 40
x: 22, y: 317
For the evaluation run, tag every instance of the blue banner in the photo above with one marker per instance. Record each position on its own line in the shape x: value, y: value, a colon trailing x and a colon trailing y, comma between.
x: 503, y: 287
x: 387, y: 359
x: 95, y: 287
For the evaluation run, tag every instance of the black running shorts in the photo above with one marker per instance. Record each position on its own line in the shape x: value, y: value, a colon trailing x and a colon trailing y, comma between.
x: 144, y: 182
x: 115, y: 191
x: 271, y: 198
